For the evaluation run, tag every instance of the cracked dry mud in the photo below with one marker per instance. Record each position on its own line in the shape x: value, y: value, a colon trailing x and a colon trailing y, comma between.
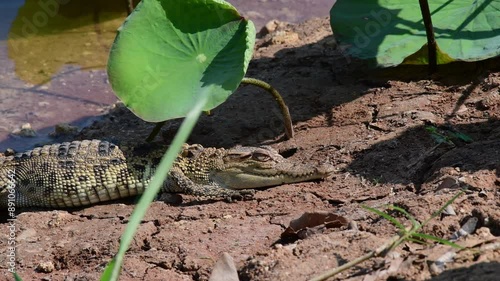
x: 370, y: 124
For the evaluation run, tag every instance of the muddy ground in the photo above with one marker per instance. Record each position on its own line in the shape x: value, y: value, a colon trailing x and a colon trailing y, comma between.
x: 374, y: 126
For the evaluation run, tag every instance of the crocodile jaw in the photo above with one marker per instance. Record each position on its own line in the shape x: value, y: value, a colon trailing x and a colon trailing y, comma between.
x: 240, y: 179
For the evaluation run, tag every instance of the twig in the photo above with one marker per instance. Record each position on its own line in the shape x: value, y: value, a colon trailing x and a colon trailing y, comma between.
x: 387, y: 246
x: 406, y: 234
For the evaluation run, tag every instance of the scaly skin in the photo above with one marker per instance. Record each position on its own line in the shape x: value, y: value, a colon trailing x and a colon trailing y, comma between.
x: 82, y: 173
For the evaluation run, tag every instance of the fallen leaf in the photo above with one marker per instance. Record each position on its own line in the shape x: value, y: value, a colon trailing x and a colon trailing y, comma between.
x: 312, y: 223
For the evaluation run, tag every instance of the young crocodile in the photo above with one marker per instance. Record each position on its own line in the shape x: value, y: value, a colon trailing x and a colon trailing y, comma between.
x: 82, y: 173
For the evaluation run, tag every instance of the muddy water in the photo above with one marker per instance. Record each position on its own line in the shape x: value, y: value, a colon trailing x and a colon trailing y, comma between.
x: 52, y: 58
x: 262, y: 11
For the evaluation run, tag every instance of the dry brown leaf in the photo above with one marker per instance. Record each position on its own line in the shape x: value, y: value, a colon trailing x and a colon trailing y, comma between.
x: 311, y: 223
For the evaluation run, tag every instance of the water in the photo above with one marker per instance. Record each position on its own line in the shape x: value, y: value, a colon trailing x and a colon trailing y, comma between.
x: 52, y: 66
x: 296, y: 11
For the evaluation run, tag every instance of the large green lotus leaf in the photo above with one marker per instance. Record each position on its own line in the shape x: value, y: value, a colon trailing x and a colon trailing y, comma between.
x: 168, y: 52
x: 390, y: 31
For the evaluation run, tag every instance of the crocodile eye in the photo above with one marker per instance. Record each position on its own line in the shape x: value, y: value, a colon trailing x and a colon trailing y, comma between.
x: 239, y: 156
x: 262, y: 157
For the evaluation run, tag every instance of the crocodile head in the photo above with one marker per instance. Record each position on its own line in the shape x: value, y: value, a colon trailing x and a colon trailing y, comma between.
x: 254, y: 167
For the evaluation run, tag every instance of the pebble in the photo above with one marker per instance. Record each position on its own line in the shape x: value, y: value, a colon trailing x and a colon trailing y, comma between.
x: 448, y: 182
x: 283, y: 37
x: 25, y: 131
x: 45, y: 267
x: 64, y: 129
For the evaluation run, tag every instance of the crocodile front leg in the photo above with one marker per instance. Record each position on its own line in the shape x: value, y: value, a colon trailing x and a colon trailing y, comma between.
x: 177, y: 181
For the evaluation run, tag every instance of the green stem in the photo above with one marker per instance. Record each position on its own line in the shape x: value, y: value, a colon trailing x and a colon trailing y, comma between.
x: 287, y: 119
x: 429, y: 31
x: 155, y: 131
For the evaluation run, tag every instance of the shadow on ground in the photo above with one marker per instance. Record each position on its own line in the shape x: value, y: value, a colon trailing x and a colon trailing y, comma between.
x: 414, y: 156
x: 485, y: 271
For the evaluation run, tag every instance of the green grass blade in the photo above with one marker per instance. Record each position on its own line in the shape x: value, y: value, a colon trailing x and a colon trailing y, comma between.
x: 438, y: 212
x: 385, y: 216
x: 415, y: 240
x: 108, y: 271
x: 414, y: 222
x: 112, y: 271
x: 437, y: 239
x: 16, y: 277
x: 463, y: 137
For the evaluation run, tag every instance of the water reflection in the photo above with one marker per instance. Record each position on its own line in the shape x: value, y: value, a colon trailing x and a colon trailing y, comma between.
x: 47, y: 34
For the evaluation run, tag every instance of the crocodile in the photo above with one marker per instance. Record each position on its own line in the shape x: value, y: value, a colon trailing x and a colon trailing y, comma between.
x: 82, y: 173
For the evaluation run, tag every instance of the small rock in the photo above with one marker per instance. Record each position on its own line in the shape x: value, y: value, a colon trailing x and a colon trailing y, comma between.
x: 224, y: 269
x: 434, y: 269
x: 448, y: 182
x: 484, y: 232
x: 440, y: 264
x: 64, y: 129
x: 25, y: 131
x: 462, y: 109
x: 9, y: 152
x: 283, y: 37
x: 270, y: 27
x: 353, y: 225
x: 449, y: 211
x: 467, y: 228
x: 45, y: 267
x: 483, y: 194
